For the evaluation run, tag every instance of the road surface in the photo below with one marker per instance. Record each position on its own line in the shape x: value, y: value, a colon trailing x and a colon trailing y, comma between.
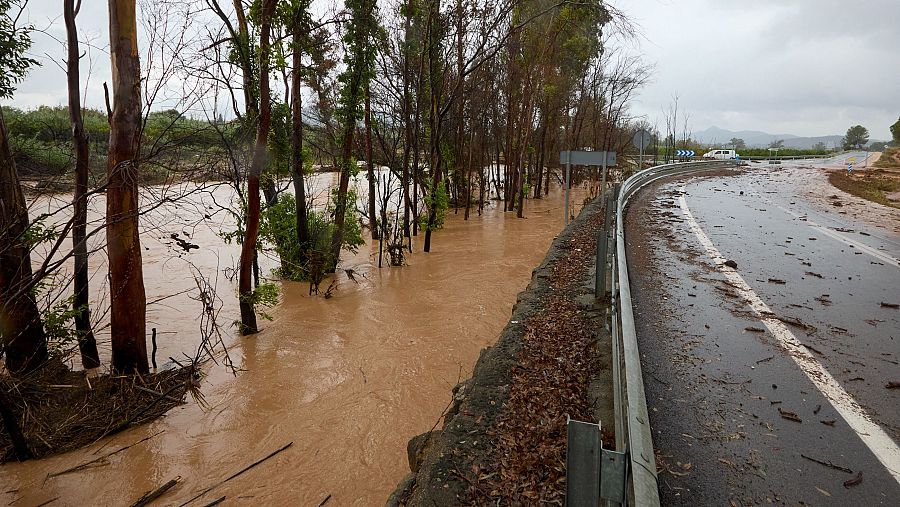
x: 766, y: 382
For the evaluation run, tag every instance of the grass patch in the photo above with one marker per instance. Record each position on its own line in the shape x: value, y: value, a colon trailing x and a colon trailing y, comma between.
x: 873, y: 185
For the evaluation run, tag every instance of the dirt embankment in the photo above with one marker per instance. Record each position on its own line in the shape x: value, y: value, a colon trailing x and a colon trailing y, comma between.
x: 877, y: 185
x: 504, y: 433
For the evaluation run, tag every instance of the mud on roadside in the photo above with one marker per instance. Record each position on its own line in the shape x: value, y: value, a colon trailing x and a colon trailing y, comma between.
x: 504, y: 433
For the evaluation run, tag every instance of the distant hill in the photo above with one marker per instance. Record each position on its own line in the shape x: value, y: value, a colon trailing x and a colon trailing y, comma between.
x: 757, y: 139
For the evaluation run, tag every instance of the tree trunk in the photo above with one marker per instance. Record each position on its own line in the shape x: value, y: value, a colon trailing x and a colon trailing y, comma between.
x: 128, y: 301
x: 407, y: 124
x: 22, y: 334
x: 340, y: 209
x: 539, y: 168
x: 469, y: 176
x: 251, y: 94
x: 87, y: 344
x: 416, y: 171
x: 297, y: 161
x: 434, y: 119
x: 373, y: 221
x: 260, y: 155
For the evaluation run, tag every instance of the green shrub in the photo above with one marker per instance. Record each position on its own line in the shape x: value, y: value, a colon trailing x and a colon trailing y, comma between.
x: 278, y: 227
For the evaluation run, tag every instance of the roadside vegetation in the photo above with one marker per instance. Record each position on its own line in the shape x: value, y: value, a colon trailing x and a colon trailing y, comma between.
x: 41, y: 143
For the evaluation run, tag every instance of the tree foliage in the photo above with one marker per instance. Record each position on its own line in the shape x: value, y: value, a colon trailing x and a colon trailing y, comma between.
x: 14, y: 42
x: 857, y: 136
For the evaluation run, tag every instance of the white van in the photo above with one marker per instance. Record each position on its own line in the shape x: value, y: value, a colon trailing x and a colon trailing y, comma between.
x: 721, y: 155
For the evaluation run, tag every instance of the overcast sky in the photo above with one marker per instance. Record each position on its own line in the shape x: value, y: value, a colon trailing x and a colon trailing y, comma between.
x: 802, y: 67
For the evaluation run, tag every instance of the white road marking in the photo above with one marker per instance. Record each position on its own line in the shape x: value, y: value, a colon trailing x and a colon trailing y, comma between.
x: 841, y: 237
x: 879, y: 442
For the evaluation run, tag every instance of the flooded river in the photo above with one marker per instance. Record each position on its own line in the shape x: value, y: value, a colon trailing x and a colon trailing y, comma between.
x: 348, y: 379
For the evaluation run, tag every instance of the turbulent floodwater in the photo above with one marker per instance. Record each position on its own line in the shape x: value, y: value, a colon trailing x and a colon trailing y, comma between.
x: 348, y: 380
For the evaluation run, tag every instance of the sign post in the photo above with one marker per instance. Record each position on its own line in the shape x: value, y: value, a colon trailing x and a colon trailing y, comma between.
x: 594, y: 158
x: 641, y: 138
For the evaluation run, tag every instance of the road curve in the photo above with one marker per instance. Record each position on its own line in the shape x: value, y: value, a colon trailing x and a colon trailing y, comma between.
x: 767, y: 382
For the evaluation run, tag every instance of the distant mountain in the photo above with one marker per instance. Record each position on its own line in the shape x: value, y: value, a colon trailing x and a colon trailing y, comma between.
x: 757, y: 139
x: 806, y: 143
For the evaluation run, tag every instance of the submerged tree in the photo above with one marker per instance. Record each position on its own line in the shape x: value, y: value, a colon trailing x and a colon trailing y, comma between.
x: 260, y: 157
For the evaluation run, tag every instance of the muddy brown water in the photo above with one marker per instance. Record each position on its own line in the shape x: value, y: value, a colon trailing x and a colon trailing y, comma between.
x: 348, y: 380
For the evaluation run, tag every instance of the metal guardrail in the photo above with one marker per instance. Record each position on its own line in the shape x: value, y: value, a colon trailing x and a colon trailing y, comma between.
x: 675, y: 160
x: 627, y: 475
x: 633, y: 434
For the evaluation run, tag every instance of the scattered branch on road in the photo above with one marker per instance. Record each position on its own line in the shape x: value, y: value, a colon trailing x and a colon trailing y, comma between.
x: 828, y: 464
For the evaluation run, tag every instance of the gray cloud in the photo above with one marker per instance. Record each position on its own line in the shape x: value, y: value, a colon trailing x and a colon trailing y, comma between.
x: 806, y: 67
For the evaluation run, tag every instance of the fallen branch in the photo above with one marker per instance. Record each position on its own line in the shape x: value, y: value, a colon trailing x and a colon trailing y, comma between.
x: 828, y: 464
x: 156, y: 493
x: 217, y: 501
x: 790, y: 416
x: 232, y: 476
x: 151, y: 391
x: 87, y: 464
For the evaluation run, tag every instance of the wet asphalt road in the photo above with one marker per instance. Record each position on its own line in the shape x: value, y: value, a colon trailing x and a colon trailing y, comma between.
x: 735, y: 419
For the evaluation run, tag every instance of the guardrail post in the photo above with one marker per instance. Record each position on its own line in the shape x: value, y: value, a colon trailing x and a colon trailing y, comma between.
x: 600, y: 288
x: 604, y: 237
x: 583, y: 456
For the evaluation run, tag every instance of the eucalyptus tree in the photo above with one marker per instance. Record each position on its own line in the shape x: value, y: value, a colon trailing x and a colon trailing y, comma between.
x: 87, y: 344
x: 128, y: 300
x: 21, y: 330
x: 246, y: 294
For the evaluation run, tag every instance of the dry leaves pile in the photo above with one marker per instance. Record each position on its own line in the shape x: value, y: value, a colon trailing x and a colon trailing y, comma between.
x: 526, y: 462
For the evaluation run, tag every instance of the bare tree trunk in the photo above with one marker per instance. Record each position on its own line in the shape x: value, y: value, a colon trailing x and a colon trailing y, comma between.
x: 340, y: 209
x: 373, y: 221
x: 539, y: 174
x: 251, y: 94
x: 469, y: 175
x: 297, y: 161
x: 24, y: 341
x: 407, y: 126
x: 482, y: 184
x: 416, y: 171
x: 434, y: 119
x: 128, y: 301
x: 260, y: 155
x: 87, y: 344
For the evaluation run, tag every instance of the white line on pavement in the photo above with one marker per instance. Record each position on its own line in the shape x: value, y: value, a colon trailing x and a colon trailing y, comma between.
x: 842, y: 238
x: 879, y: 442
